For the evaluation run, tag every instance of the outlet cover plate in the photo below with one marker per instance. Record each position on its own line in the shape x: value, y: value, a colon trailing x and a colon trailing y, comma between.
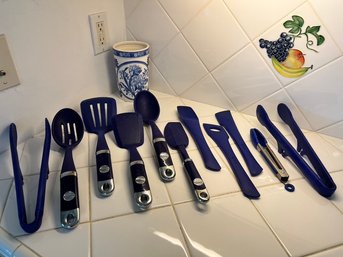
x: 99, y: 32
x: 7, y: 66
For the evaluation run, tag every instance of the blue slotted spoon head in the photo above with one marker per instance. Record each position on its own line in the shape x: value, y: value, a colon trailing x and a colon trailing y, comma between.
x: 97, y: 113
x: 128, y: 129
x: 67, y: 128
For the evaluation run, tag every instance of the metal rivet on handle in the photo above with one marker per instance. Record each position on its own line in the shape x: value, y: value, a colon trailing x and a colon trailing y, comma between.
x: 104, y: 169
x: 68, y: 196
x: 140, y: 180
x: 198, y: 182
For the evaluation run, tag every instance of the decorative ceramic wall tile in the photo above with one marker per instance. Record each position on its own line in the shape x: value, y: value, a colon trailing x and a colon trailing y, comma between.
x: 207, y: 91
x: 245, y: 78
x: 303, y: 45
x: 257, y: 16
x: 330, y: 13
x: 179, y: 65
x: 270, y: 104
x: 180, y: 11
x: 150, y: 23
x: 214, y: 34
x: 319, y: 96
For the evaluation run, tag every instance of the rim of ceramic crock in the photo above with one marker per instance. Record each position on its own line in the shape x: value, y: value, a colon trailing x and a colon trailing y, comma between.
x: 145, y: 46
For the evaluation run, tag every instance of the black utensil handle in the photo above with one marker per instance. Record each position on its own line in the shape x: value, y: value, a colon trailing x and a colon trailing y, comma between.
x: 104, y: 172
x: 104, y: 165
x: 140, y: 182
x: 69, y: 198
x: 196, y: 181
x: 165, y: 162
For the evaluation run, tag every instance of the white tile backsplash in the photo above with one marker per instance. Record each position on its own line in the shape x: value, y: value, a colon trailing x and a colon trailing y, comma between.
x: 179, y: 64
x: 230, y: 69
x: 214, y: 34
x: 243, y: 74
x: 257, y: 16
x: 149, y: 22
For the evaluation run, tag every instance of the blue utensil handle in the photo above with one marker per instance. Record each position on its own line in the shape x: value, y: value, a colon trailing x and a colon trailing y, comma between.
x: 320, y: 180
x: 104, y: 165
x: 226, y: 120
x: 69, y: 199
x: 69, y: 192
x: 165, y: 163
x: 209, y: 159
x: 196, y: 181
x: 193, y: 174
x: 139, y: 177
x: 244, y: 182
x: 140, y: 182
x: 219, y: 136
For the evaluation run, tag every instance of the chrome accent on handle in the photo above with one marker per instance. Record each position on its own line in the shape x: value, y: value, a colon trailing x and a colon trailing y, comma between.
x: 106, y: 187
x: 143, y: 199
x: 102, y: 151
x: 167, y: 173
x: 70, y: 219
x: 281, y: 173
x: 136, y: 162
x: 68, y: 173
x: 158, y: 139
x: 202, y: 195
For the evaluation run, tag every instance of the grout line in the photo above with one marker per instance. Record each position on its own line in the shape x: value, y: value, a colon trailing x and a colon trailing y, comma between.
x: 328, y: 126
x: 271, y: 229
x: 178, y: 220
x: 325, y: 26
x: 5, y: 203
x: 325, y: 249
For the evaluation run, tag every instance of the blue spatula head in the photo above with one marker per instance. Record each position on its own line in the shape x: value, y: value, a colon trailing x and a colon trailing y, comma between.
x: 97, y: 113
x: 128, y: 129
x: 175, y: 135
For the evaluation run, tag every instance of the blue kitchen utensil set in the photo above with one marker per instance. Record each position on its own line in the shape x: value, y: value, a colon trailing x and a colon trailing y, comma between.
x: 99, y: 116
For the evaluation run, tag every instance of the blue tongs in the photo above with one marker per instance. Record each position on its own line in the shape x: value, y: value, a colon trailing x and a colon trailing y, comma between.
x: 319, y: 179
x: 19, y: 180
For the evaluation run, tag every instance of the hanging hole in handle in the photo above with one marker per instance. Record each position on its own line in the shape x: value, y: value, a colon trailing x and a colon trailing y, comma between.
x: 144, y: 199
x: 71, y: 219
x: 289, y: 187
x: 169, y: 173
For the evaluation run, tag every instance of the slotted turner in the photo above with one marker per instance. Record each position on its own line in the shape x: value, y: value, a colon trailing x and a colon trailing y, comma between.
x: 96, y: 114
x: 67, y: 131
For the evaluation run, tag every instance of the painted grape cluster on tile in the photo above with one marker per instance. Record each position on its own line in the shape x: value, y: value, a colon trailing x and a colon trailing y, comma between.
x: 288, y: 61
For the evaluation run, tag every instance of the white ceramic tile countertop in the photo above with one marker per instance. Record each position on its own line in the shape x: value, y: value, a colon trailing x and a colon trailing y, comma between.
x: 278, y: 224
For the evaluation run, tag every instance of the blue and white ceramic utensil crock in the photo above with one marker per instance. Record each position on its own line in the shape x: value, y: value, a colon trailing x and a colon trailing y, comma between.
x: 131, y: 60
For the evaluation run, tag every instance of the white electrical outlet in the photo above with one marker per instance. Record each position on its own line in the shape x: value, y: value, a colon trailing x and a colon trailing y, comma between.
x: 98, y: 24
x: 8, y: 73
